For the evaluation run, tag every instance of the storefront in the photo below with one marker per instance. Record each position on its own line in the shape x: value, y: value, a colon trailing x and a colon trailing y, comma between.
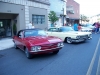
x: 20, y: 13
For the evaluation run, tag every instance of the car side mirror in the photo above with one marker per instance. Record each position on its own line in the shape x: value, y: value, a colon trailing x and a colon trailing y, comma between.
x: 20, y: 36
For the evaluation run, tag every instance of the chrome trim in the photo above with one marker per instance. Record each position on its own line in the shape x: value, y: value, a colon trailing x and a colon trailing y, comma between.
x: 47, y: 49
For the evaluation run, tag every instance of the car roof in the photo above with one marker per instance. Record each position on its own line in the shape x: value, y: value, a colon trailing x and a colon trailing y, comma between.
x: 31, y: 29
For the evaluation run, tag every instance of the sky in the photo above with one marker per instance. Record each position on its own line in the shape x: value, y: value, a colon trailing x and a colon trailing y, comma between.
x: 89, y: 7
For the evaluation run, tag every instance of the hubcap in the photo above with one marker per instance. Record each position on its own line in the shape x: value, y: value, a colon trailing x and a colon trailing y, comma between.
x: 15, y: 46
x: 69, y: 40
x: 27, y: 53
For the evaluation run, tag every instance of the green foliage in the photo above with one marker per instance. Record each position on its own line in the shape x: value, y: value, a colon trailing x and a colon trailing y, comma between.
x: 52, y: 17
x: 98, y: 19
x: 14, y: 27
x: 84, y: 18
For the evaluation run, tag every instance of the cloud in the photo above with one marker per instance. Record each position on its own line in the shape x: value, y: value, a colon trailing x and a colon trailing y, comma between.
x: 89, y: 7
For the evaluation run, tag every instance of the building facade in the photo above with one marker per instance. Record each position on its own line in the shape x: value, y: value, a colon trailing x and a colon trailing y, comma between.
x: 59, y: 7
x: 73, y: 11
x: 20, y: 13
x: 95, y: 18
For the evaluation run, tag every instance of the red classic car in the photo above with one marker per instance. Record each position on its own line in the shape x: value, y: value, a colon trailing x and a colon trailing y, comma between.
x: 36, y: 41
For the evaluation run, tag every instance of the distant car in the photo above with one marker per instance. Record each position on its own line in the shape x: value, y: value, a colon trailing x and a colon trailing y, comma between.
x: 67, y: 34
x: 88, y: 28
x: 36, y: 41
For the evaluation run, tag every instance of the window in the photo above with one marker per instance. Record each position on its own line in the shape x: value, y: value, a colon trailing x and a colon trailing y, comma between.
x: 38, y: 19
x: 53, y: 29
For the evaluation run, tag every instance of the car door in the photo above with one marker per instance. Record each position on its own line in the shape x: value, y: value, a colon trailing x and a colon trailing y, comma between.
x: 20, y: 40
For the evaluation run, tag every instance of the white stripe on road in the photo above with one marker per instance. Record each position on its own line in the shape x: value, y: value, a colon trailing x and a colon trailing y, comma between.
x: 98, y: 68
x: 93, y: 59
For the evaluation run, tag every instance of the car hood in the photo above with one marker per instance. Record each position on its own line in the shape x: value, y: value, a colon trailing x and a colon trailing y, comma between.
x: 89, y: 27
x: 86, y: 28
x: 38, y: 40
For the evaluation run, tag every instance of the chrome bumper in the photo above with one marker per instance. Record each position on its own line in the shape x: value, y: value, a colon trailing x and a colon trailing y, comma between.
x: 80, y: 40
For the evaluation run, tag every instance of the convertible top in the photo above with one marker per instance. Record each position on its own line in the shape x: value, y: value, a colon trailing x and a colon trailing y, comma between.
x: 31, y: 29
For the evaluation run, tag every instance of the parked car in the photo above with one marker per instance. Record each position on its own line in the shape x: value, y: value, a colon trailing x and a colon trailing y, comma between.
x: 67, y: 34
x: 36, y: 41
x: 88, y: 28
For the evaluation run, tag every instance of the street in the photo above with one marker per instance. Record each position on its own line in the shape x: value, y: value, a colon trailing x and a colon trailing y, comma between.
x: 74, y: 59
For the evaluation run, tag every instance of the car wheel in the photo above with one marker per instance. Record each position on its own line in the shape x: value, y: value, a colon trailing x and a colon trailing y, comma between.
x: 28, y: 55
x: 55, y: 52
x: 69, y: 40
x: 15, y: 46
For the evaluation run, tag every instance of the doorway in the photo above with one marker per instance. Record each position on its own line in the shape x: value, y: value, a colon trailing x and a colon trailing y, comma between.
x: 5, y: 28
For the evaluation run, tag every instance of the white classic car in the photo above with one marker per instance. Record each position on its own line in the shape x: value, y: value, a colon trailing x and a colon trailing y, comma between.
x: 67, y: 34
x: 88, y: 28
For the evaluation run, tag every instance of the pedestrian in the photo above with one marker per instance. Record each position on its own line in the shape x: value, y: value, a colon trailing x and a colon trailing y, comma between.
x: 75, y: 26
x: 30, y: 26
x: 99, y: 28
x: 79, y: 27
x: 96, y: 27
x: 33, y: 26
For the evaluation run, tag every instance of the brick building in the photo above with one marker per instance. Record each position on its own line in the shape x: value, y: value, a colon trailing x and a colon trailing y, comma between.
x: 73, y: 11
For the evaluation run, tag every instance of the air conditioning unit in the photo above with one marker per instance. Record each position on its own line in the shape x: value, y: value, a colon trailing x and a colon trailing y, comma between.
x: 71, y: 12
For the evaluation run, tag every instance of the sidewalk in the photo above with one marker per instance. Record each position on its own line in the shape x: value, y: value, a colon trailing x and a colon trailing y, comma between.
x: 6, y: 43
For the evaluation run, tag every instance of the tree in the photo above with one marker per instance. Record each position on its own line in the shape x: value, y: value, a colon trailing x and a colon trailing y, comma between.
x: 52, y: 17
x: 84, y: 18
x: 98, y: 19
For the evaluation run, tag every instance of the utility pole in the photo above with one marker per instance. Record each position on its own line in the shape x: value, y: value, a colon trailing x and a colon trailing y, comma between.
x: 63, y: 9
x: 63, y: 16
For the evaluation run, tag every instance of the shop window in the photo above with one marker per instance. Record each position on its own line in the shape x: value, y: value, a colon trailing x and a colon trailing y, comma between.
x: 1, y: 24
x: 38, y: 19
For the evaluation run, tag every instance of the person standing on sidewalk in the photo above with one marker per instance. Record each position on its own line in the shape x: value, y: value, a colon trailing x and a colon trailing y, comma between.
x: 30, y: 26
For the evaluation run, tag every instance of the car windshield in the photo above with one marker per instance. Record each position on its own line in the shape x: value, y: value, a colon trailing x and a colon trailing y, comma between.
x: 53, y: 29
x: 30, y: 33
x: 66, y: 29
x: 87, y: 25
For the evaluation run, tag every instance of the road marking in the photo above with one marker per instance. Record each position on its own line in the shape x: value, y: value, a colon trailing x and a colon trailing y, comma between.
x: 93, y: 59
x: 98, y: 68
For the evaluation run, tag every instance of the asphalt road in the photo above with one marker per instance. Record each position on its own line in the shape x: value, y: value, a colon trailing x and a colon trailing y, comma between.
x: 74, y: 59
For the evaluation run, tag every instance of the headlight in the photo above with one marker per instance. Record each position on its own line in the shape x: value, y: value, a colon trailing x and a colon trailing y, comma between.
x: 36, y: 48
x: 60, y: 44
x: 77, y: 37
x: 33, y: 48
x: 90, y: 35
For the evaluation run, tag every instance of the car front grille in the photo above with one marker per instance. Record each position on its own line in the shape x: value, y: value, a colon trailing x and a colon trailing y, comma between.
x: 48, y: 46
x: 84, y: 37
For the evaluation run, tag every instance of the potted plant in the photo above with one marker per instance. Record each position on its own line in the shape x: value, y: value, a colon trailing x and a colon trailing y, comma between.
x: 14, y: 29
